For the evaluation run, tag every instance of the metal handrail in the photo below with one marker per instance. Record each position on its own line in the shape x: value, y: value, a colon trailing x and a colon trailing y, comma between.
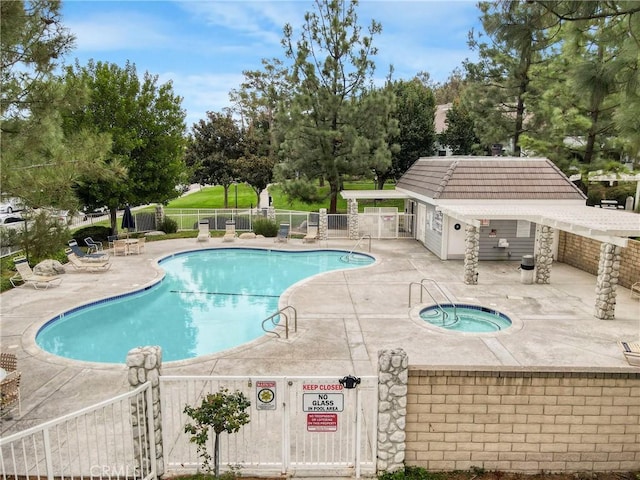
x: 424, y: 287
x: 279, y: 313
x: 350, y: 254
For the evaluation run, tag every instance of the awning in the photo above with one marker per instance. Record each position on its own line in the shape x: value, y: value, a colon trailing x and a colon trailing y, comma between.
x: 610, y: 226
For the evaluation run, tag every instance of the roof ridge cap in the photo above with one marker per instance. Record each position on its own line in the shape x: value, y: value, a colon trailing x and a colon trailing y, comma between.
x: 446, y: 177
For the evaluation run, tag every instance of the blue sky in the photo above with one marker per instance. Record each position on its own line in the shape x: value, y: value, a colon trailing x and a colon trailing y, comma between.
x: 203, y: 46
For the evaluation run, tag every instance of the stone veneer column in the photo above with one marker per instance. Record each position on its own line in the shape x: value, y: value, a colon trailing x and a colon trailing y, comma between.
x: 471, y: 250
x: 144, y: 365
x: 352, y: 211
x: 323, y: 224
x: 607, y: 281
x: 271, y: 213
x: 393, y: 376
x: 544, y: 253
x: 159, y: 215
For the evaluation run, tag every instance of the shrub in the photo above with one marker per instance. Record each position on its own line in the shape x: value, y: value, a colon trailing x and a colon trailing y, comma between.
x: 41, y: 238
x: 265, y: 227
x: 168, y: 225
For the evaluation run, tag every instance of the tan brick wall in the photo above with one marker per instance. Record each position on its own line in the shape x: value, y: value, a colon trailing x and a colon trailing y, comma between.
x: 523, y: 421
x: 584, y: 253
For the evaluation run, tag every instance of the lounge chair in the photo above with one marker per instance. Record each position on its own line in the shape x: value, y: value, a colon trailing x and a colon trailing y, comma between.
x: 25, y: 275
x: 631, y: 352
x: 94, y: 246
x: 312, y: 234
x: 86, y: 265
x: 96, y: 257
x: 283, y: 233
x: 230, y: 231
x: 203, y: 231
x: 635, y: 290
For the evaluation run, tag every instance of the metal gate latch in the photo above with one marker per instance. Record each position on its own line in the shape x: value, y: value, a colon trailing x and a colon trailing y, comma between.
x: 349, y: 381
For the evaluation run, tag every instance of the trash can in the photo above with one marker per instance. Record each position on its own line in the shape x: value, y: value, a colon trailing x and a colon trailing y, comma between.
x: 526, y: 269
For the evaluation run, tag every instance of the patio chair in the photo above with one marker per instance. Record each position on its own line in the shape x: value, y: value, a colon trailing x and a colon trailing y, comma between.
x: 137, y: 246
x: 120, y: 247
x: 85, y: 265
x: 631, y: 352
x: 94, y: 246
x: 8, y: 362
x: 312, y: 234
x: 230, y: 231
x: 283, y: 232
x: 111, y: 239
x: 10, y: 393
x: 96, y: 257
x: 635, y: 290
x: 25, y: 275
x: 8, y: 367
x: 203, y: 231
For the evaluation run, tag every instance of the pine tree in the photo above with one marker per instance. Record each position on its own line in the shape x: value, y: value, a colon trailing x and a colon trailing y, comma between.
x: 338, y: 124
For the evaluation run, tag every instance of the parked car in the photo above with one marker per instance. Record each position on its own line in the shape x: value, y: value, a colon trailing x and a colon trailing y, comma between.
x: 10, y: 205
x: 14, y: 221
x: 95, y: 212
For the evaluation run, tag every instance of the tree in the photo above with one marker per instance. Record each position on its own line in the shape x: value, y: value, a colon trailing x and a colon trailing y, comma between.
x: 415, y: 112
x: 40, y: 162
x: 499, y: 82
x: 459, y: 135
x: 222, y: 412
x: 450, y: 90
x: 257, y: 102
x: 145, y: 122
x: 337, y: 123
x: 213, y: 150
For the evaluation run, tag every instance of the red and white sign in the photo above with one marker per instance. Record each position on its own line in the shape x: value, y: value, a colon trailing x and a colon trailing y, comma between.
x: 322, y: 422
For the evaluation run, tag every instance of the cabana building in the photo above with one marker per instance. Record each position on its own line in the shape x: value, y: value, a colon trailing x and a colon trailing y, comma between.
x: 508, y: 208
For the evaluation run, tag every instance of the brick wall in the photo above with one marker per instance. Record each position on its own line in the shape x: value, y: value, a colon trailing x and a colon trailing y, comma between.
x: 584, y: 253
x: 523, y: 421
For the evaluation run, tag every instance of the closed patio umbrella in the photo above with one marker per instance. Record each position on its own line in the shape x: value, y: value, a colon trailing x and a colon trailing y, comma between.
x: 128, y: 221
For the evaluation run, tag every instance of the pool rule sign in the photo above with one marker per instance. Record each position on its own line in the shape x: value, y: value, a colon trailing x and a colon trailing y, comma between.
x: 322, y: 402
x: 266, y: 395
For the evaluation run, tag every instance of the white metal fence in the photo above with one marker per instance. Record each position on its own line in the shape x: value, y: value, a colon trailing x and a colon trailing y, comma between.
x: 298, y: 426
x: 104, y: 441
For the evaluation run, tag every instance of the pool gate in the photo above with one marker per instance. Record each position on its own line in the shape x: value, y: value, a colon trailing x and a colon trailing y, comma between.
x: 313, y: 426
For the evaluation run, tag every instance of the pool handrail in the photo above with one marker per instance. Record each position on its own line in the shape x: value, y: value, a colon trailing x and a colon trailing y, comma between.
x: 286, y: 321
x: 424, y: 287
x: 347, y: 257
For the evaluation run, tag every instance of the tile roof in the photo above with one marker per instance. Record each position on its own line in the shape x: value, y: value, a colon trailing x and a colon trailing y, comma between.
x: 488, y: 178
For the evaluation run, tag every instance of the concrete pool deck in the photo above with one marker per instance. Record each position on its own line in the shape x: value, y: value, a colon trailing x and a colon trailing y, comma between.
x: 344, y: 319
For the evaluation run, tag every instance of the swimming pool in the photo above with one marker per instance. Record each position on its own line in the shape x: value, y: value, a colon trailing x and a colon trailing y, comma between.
x: 466, y: 318
x: 209, y: 300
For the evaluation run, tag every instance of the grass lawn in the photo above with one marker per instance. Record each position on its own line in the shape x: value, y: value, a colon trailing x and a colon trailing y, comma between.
x: 213, y: 197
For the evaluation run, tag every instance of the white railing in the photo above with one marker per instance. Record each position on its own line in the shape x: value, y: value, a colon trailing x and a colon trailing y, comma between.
x: 104, y: 441
x: 280, y: 438
x: 387, y: 225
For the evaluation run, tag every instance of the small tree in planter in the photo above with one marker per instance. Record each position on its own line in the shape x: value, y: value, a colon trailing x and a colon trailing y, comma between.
x: 223, y: 412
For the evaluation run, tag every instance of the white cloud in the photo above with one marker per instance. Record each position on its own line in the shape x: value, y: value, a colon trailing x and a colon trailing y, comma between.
x: 202, y: 92
x: 117, y: 31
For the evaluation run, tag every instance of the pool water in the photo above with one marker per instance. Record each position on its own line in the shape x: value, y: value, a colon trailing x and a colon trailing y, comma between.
x: 466, y: 318
x: 209, y: 301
